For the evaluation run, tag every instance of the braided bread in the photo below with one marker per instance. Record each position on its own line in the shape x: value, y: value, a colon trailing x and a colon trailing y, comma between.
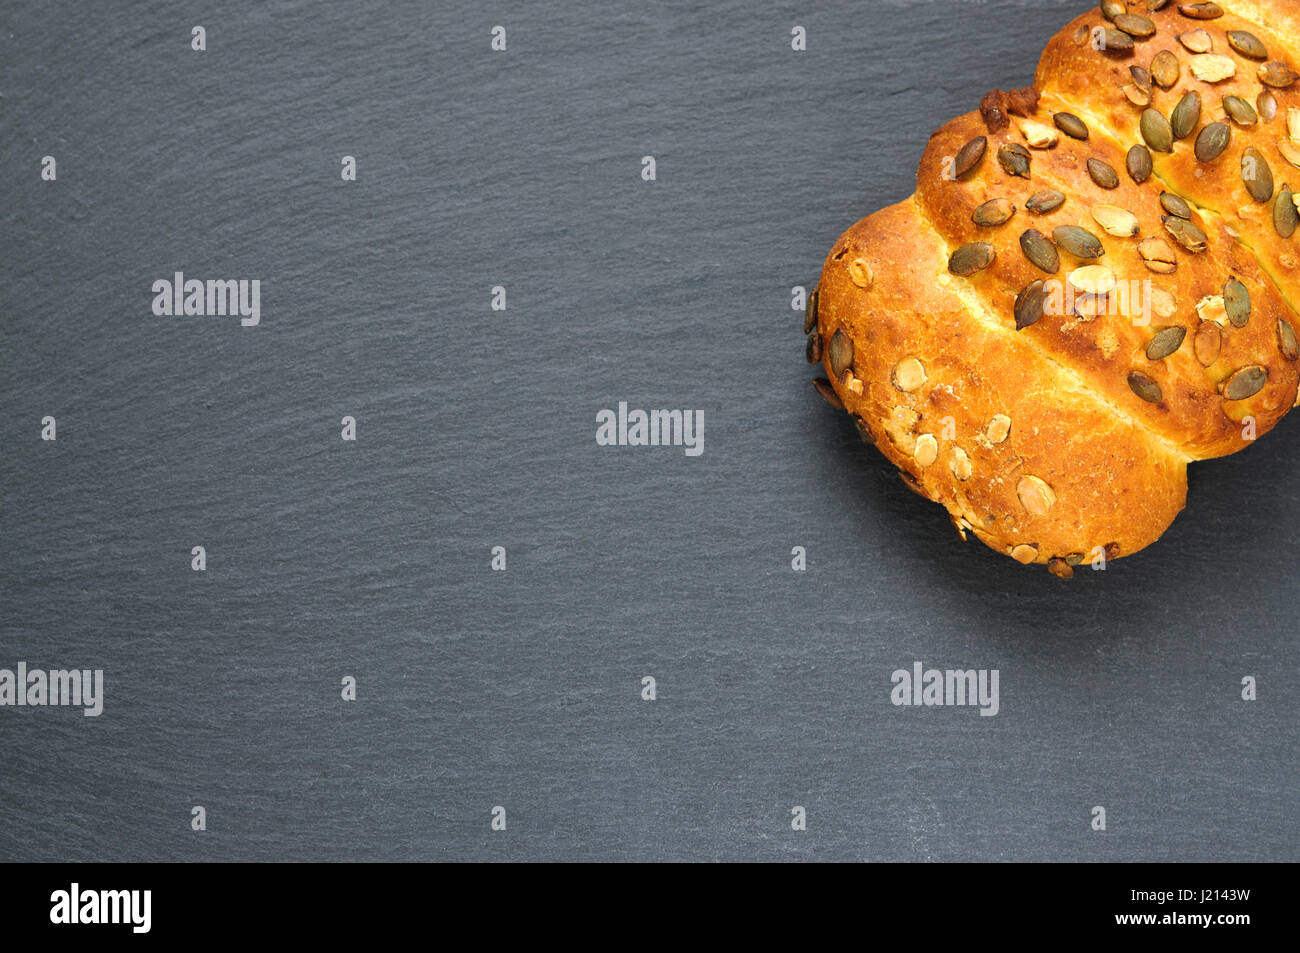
x: 1093, y: 285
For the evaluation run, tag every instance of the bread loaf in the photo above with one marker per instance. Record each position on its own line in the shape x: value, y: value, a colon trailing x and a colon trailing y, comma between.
x: 1093, y: 285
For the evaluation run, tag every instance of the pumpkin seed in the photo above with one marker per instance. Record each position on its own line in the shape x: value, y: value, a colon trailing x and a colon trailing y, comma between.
x: 998, y: 428
x: 1285, y: 216
x: 1196, y: 41
x: 968, y: 157
x: 1014, y: 159
x: 970, y: 258
x: 1117, y: 221
x: 1040, y: 251
x: 1094, y: 280
x: 1201, y: 11
x: 1103, y: 174
x: 1024, y: 553
x: 1213, y: 139
x: 1257, y: 175
x: 810, y: 313
x: 1158, y: 255
x: 1141, y: 77
x: 1156, y: 132
x: 1048, y: 200
x: 1207, y: 342
x: 1266, y: 104
x: 1286, y: 340
x: 840, y: 352
x: 1290, y: 151
x: 1036, y: 495
x: 1165, y: 69
x: 861, y: 426
x: 1242, y: 112
x: 1245, y: 382
x: 1115, y: 41
x: 1134, y: 24
x: 1144, y: 387
x: 1212, y: 67
x: 1165, y: 342
x: 992, y: 213
x: 1236, y: 302
x: 1247, y: 44
x: 1278, y: 75
x: 1138, y: 163
x: 1137, y: 95
x: 1186, y: 115
x: 813, y: 349
x: 860, y: 273
x: 1029, y: 304
x: 1185, y: 233
x: 1078, y: 241
x: 1060, y: 568
x: 1175, y: 205
x: 828, y: 392
x: 1071, y: 125
x: 1110, y: 9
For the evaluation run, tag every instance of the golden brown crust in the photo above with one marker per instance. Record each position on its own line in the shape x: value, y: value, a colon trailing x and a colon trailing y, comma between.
x: 1106, y: 403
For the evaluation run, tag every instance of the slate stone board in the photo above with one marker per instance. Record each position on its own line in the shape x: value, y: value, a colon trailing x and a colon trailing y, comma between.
x: 475, y: 429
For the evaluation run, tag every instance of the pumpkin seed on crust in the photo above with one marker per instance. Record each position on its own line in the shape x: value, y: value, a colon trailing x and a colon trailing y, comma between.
x: 969, y: 156
x: 1212, y: 141
x: 1236, y: 302
x: 1103, y: 174
x: 1245, y: 382
x: 1048, y: 200
x: 1029, y: 304
x: 1144, y: 387
x: 1156, y: 133
x: 1247, y: 44
x: 1207, y: 342
x: 1186, y: 115
x: 1165, y: 342
x: 1257, y: 175
x: 970, y: 258
x: 1078, y: 241
x: 992, y: 213
x: 1286, y: 340
x: 1286, y: 218
x: 1138, y: 163
x: 1165, y: 69
x: 1071, y: 125
x: 1040, y: 252
x: 1015, y: 160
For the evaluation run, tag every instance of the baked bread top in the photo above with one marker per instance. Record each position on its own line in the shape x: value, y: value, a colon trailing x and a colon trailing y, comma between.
x: 1094, y: 283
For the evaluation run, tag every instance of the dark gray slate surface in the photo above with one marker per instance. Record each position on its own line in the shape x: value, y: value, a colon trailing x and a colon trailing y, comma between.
x: 476, y: 429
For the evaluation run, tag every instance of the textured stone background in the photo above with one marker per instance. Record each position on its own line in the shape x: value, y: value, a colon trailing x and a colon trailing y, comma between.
x: 476, y: 429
